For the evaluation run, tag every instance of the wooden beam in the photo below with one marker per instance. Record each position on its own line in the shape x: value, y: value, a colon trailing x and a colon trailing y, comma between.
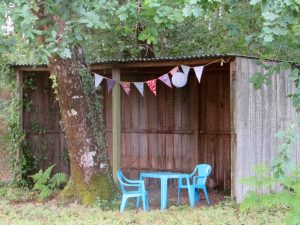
x: 116, y: 123
x: 19, y: 76
x: 189, y: 62
x: 233, y: 144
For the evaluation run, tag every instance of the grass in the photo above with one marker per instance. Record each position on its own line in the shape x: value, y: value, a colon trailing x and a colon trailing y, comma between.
x: 13, y: 211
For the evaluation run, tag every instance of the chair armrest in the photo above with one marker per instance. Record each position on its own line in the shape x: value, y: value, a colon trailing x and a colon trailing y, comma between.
x: 132, y: 181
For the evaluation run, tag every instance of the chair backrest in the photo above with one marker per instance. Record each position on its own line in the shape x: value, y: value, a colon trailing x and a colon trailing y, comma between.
x: 120, y: 178
x: 202, y: 170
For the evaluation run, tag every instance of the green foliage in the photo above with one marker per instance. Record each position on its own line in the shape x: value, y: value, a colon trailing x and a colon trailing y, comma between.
x: 14, y: 194
x: 47, y: 185
x: 261, y: 179
x: 49, y: 213
x: 283, y: 162
x: 289, y: 197
x: 113, y: 204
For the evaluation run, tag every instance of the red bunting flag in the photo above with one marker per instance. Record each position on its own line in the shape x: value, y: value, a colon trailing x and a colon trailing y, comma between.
x: 126, y: 86
x: 166, y: 80
x: 152, y: 85
x: 174, y: 70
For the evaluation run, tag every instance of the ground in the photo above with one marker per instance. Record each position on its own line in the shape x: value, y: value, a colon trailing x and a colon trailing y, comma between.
x: 19, y: 207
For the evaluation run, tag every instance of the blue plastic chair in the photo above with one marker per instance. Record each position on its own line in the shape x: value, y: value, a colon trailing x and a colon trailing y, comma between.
x: 199, y: 175
x: 139, y: 191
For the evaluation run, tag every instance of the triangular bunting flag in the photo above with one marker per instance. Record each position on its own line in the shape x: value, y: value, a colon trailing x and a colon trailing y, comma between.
x: 98, y: 79
x: 110, y: 84
x: 140, y: 87
x: 174, y: 70
x: 185, y: 69
x: 166, y: 80
x: 198, y: 71
x: 152, y: 85
x: 126, y: 86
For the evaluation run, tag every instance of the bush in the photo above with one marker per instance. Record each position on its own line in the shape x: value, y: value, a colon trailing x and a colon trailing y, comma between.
x: 46, y: 185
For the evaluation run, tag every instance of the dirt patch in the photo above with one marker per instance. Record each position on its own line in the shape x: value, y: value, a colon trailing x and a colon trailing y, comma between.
x: 154, y: 197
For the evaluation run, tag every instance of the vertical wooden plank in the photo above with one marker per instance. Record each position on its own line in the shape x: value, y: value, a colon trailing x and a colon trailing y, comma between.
x: 116, y: 124
x: 134, y: 127
x: 177, y: 126
x: 161, y: 126
x: 143, y: 137
x: 212, y: 123
x: 242, y: 125
x: 202, y: 150
x: 227, y: 131
x: 186, y: 125
x: 170, y: 163
x: 125, y: 126
x: 221, y: 154
x: 194, y: 120
x: 152, y: 136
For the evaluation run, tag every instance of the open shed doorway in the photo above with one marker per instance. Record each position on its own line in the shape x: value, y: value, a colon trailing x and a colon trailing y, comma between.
x: 176, y: 129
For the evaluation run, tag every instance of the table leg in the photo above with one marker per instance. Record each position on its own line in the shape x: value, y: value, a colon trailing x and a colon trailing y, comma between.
x: 190, y: 192
x: 163, y: 193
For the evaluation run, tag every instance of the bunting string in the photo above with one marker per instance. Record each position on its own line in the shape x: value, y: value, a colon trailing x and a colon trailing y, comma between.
x: 179, y: 78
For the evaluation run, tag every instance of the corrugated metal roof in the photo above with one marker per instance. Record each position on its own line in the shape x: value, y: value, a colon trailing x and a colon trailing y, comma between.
x: 134, y: 60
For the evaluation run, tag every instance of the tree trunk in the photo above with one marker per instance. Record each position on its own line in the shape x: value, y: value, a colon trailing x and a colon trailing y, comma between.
x: 89, y: 172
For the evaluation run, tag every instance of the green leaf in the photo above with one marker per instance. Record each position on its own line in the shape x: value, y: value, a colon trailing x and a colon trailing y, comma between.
x: 269, y: 16
x: 65, y: 53
x: 53, y: 33
x: 187, y: 10
x: 254, y: 2
x: 45, y: 193
x: 268, y: 38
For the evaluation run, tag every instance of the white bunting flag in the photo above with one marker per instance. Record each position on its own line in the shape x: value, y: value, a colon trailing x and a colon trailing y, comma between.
x: 198, y: 71
x: 185, y: 69
x: 140, y: 87
x: 98, y: 79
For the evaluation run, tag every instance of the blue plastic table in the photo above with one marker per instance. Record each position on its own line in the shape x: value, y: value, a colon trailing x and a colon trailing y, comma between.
x: 164, y: 176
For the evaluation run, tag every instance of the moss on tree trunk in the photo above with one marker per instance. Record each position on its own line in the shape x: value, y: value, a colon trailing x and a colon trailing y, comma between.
x: 98, y: 188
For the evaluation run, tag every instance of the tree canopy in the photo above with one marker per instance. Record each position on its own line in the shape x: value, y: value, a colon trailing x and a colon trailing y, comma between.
x: 109, y: 29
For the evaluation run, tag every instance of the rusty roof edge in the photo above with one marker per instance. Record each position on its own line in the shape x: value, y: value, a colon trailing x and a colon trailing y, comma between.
x: 134, y: 60
x: 158, y: 59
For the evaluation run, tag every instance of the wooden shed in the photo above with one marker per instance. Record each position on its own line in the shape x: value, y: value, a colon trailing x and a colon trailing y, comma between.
x: 221, y: 121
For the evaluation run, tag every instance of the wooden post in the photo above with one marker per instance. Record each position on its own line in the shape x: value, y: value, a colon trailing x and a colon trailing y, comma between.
x: 233, y: 125
x: 116, y: 123
x: 19, y: 76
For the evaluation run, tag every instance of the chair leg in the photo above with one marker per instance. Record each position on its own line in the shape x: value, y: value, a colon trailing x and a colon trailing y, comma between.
x: 178, y: 197
x: 147, y: 201
x: 123, y: 203
x: 137, y: 202
x: 196, y: 195
x: 144, y: 198
x: 206, y: 195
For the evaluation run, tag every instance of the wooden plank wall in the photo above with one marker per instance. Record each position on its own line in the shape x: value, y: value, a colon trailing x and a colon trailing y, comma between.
x: 214, y: 127
x: 41, y: 122
x: 177, y: 129
x: 258, y: 116
x: 174, y: 131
